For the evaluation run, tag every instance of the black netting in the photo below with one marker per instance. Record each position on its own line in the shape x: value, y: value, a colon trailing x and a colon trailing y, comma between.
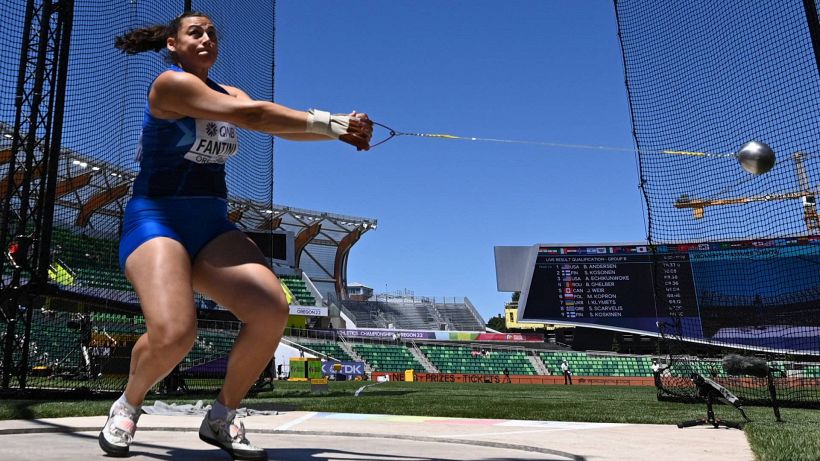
x: 105, y: 100
x: 704, y: 79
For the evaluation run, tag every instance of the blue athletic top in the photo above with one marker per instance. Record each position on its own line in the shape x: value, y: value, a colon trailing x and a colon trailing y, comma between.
x: 184, y: 157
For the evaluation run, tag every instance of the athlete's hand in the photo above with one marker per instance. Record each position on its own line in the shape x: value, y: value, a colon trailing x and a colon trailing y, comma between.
x: 359, y: 131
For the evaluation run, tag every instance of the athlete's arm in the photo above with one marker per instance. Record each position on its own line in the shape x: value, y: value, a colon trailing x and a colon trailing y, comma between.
x: 180, y: 94
x: 239, y: 94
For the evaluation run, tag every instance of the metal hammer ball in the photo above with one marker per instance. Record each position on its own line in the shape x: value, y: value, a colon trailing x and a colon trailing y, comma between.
x: 756, y: 157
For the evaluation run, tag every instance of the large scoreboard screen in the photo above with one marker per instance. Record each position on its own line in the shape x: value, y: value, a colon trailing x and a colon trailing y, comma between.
x: 736, y: 292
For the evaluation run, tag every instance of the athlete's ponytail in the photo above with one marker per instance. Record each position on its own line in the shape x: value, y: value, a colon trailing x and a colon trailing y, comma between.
x: 151, y: 38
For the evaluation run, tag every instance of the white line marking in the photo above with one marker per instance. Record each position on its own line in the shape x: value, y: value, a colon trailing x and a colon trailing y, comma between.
x: 296, y: 421
x: 553, y: 429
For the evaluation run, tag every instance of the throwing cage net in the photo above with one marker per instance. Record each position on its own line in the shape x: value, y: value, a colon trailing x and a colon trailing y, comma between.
x: 84, y: 315
x: 733, y: 226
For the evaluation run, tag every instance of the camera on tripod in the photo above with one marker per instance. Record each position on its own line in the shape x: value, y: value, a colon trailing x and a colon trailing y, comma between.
x: 78, y: 362
x: 713, y: 392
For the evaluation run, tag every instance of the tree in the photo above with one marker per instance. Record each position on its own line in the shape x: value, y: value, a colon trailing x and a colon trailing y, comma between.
x: 516, y: 295
x: 497, y: 323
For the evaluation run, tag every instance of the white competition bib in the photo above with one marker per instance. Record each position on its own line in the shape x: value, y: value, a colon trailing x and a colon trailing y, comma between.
x: 215, y: 142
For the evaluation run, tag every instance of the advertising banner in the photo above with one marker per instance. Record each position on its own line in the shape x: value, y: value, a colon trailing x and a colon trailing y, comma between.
x: 516, y: 337
x: 310, y: 311
x: 441, y: 335
x: 387, y: 334
x: 349, y: 369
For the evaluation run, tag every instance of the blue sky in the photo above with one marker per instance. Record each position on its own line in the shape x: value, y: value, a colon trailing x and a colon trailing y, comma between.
x: 531, y: 70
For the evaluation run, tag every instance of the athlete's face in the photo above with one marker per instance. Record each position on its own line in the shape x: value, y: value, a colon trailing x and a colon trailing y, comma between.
x: 195, y: 44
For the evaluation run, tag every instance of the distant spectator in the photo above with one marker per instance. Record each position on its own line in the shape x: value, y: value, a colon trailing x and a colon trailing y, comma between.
x: 656, y: 372
x: 507, y: 378
x: 567, y: 373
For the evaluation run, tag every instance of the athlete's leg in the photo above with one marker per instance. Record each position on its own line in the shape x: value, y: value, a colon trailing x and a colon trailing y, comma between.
x: 160, y: 271
x: 232, y: 271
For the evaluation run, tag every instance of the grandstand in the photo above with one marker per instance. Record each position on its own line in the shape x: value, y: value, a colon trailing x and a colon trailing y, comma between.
x: 464, y: 353
x: 304, y: 296
x: 386, y: 357
x: 56, y: 347
x: 331, y: 349
x: 413, y: 313
x: 471, y: 360
x: 91, y: 263
x: 599, y: 364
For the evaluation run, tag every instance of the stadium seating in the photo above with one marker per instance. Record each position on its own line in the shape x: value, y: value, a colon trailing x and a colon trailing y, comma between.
x: 52, y: 338
x: 365, y: 314
x: 210, y: 344
x: 811, y: 371
x: 413, y: 314
x: 583, y: 364
x: 118, y: 323
x: 93, y: 260
x: 299, y: 289
x: 330, y: 349
x: 460, y: 316
x: 100, y: 278
x: 383, y: 357
x: 410, y: 316
x: 460, y: 359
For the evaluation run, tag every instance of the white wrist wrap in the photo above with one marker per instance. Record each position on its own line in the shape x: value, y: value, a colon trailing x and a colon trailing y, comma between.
x: 321, y: 122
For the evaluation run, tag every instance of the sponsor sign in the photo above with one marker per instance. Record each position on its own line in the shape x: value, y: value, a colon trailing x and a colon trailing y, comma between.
x: 514, y: 379
x: 441, y: 335
x: 528, y: 337
x: 405, y: 334
x: 310, y: 311
x: 349, y: 369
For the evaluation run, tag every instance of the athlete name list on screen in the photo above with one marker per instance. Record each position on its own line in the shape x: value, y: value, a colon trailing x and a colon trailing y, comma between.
x: 578, y: 287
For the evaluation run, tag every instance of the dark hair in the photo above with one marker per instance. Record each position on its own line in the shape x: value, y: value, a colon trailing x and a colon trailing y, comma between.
x: 152, y: 38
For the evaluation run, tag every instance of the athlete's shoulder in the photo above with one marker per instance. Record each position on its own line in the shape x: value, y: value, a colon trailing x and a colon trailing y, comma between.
x: 172, y: 79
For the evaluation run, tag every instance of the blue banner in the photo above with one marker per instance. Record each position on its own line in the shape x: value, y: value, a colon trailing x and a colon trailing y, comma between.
x: 349, y: 369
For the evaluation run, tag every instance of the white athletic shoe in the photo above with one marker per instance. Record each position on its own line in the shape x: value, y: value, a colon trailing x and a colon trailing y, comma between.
x: 231, y: 438
x: 119, y: 429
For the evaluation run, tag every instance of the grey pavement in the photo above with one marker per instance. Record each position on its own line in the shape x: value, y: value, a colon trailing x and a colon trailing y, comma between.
x: 310, y: 436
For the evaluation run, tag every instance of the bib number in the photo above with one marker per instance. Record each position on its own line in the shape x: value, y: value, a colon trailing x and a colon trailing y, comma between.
x: 215, y: 142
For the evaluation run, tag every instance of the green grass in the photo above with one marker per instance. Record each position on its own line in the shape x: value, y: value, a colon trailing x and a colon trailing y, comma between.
x: 796, y: 439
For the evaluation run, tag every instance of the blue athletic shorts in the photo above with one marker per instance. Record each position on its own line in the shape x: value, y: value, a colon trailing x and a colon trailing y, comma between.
x: 191, y: 221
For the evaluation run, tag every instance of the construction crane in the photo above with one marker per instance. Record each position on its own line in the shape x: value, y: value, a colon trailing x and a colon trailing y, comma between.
x: 806, y: 194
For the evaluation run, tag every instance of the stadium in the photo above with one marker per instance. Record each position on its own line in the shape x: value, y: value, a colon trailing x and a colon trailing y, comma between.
x: 601, y: 348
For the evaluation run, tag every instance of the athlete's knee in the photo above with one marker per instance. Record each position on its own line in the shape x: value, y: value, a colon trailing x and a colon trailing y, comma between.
x: 270, y: 312
x: 173, y: 341
x: 268, y: 301
x: 276, y: 309
x: 279, y: 303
